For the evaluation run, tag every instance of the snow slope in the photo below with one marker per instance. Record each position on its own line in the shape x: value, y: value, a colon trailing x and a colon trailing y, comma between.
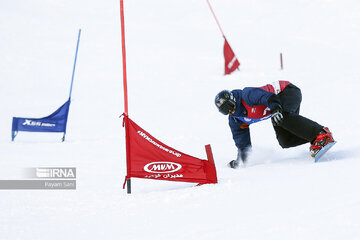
x: 175, y: 68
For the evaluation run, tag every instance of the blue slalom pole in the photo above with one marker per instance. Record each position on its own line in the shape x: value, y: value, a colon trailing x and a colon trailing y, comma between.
x: 72, y: 77
x: 73, y: 73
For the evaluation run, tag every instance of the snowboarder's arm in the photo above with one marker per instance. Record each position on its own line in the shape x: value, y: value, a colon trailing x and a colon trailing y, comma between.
x: 243, y: 154
x: 257, y: 96
x: 276, y: 110
x: 240, y: 132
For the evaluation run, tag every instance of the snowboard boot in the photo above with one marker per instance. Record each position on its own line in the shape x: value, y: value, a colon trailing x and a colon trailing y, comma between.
x: 321, y: 140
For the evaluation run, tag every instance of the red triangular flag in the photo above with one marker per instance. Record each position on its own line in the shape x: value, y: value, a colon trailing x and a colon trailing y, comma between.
x: 231, y: 62
x: 149, y: 158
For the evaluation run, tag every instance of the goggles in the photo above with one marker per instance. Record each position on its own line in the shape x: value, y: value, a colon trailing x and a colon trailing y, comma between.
x: 226, y: 106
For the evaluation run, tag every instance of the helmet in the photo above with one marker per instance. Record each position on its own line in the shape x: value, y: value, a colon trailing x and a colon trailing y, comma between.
x: 225, y: 101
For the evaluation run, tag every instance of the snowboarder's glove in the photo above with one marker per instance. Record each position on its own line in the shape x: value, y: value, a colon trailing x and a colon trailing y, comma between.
x: 276, y: 115
x: 234, y: 164
x: 273, y: 101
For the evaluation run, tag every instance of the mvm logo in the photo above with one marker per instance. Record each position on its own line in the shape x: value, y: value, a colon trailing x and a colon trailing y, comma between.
x: 56, y: 172
x: 162, y: 167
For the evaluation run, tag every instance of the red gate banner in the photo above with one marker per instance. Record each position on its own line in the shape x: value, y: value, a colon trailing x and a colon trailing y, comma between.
x: 149, y: 158
x: 231, y: 62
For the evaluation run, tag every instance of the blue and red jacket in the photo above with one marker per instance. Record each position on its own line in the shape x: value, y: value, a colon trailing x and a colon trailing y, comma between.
x: 252, y: 105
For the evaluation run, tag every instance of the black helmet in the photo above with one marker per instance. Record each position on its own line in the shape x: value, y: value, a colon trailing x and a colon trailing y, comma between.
x: 225, y: 101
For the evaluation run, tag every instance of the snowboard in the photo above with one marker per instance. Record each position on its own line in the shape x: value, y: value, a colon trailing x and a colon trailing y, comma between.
x: 321, y: 153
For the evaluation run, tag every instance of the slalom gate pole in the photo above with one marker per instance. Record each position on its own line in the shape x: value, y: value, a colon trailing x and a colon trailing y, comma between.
x: 73, y: 74
x: 126, y: 113
x: 281, y: 62
x: 217, y: 21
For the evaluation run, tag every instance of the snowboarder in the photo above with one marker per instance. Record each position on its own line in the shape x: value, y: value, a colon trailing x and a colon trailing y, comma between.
x: 280, y: 101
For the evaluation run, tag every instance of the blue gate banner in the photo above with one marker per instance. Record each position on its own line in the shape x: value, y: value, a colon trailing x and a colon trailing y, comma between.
x: 56, y: 122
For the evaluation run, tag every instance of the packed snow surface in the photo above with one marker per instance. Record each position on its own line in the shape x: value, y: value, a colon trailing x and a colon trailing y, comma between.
x: 175, y: 68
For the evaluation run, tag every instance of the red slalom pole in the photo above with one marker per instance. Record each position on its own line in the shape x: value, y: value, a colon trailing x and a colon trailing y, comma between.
x: 124, y: 55
x: 126, y: 112
x: 217, y: 21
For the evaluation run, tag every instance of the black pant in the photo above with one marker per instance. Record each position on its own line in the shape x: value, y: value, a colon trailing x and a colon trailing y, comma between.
x: 295, y: 129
